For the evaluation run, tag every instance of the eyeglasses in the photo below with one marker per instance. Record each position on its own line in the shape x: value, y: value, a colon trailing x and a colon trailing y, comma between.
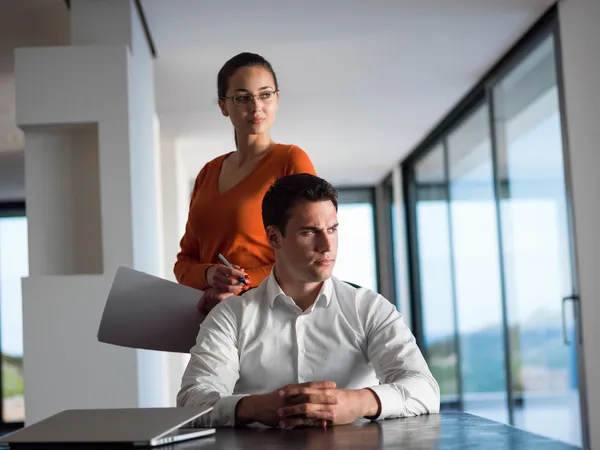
x: 244, y: 99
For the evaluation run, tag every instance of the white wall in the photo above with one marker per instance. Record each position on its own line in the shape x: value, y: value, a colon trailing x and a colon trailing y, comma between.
x: 64, y: 364
x: 170, y: 205
x: 67, y: 85
x: 580, y: 40
x: 146, y: 201
x: 109, y: 87
x: 63, y: 196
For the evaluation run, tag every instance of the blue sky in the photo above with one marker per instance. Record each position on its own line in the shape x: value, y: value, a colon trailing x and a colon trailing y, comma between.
x: 13, y: 266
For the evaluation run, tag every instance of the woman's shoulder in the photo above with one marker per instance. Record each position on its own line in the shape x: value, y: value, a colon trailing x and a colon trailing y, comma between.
x: 213, y: 164
x: 294, y: 159
x: 216, y: 161
x: 291, y: 151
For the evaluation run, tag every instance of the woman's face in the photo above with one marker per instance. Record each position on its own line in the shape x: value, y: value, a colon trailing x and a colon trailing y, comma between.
x: 252, y: 100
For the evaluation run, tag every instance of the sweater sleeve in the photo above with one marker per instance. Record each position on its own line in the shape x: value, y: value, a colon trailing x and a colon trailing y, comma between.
x: 189, y: 270
x: 298, y: 162
x: 257, y: 274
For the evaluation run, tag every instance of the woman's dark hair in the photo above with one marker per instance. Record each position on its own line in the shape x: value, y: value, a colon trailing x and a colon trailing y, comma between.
x: 237, y: 62
x: 240, y: 60
x: 283, y: 195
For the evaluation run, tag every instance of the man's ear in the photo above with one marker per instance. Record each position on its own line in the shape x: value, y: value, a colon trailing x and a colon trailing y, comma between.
x: 223, y: 107
x: 274, y: 237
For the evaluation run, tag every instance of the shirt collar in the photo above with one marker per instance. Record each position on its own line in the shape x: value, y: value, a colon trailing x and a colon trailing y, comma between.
x: 274, y: 290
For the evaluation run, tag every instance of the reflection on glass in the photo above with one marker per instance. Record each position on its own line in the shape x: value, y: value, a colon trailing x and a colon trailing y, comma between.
x: 536, y: 247
x: 476, y: 265
x: 13, y: 266
x: 435, y: 272
x: 356, y: 253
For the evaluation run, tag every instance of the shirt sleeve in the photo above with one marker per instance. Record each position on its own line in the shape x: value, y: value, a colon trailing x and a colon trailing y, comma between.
x: 189, y: 270
x: 213, y: 369
x: 407, y: 386
x: 298, y: 162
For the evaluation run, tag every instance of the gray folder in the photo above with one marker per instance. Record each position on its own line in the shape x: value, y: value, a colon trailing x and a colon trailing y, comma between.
x: 147, y: 312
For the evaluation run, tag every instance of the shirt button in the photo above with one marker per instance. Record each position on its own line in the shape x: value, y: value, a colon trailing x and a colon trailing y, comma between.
x: 303, y: 350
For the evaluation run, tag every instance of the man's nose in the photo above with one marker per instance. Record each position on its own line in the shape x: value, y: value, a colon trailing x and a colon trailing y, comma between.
x: 325, y: 243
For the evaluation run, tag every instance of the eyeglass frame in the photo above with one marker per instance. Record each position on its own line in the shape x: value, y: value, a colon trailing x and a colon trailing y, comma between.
x: 232, y: 97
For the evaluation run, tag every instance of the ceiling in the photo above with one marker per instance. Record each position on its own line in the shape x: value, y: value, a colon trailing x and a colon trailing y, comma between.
x: 362, y: 82
x: 24, y: 23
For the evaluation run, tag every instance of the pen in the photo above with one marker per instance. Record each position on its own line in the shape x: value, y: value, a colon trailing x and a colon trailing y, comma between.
x: 225, y: 262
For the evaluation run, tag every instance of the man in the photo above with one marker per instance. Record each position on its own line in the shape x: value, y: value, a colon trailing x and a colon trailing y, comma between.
x: 304, y: 348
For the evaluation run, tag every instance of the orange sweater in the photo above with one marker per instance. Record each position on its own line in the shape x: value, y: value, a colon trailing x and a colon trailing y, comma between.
x: 231, y: 223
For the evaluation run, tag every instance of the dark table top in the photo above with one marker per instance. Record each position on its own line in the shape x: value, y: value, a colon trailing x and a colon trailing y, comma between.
x: 447, y: 431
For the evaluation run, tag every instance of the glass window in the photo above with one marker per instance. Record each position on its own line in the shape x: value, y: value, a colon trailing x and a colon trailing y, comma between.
x: 536, y: 246
x: 477, y: 268
x: 13, y: 266
x: 490, y: 237
x: 357, y: 258
x: 435, y: 272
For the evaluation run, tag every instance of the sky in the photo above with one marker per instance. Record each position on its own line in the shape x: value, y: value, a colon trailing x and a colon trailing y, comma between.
x: 13, y: 266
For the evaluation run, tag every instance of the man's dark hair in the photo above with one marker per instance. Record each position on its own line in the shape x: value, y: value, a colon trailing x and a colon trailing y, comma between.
x: 287, y: 191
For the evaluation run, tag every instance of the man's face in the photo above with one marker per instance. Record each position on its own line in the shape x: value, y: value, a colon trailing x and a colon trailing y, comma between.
x: 309, y: 248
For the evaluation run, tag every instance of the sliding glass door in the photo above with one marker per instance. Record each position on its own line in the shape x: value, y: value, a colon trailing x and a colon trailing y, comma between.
x: 491, y: 252
x: 476, y: 275
x: 438, y: 312
x: 536, y: 247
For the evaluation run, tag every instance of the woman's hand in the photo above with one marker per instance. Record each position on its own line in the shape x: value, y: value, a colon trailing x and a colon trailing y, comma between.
x: 225, y: 279
x: 210, y: 299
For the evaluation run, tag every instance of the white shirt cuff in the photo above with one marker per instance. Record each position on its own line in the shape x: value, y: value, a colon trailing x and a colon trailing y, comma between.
x: 390, y: 401
x: 223, y: 413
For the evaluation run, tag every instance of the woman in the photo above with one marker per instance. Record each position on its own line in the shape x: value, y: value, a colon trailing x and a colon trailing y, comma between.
x: 225, y: 208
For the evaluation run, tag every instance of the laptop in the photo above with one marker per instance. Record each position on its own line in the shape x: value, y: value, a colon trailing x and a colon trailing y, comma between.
x: 147, y: 312
x: 129, y: 427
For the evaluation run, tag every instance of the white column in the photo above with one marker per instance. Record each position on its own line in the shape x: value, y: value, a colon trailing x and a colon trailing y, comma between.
x: 580, y: 41
x: 93, y: 203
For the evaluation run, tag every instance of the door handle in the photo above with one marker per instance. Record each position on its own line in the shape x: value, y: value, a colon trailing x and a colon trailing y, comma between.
x: 572, y: 298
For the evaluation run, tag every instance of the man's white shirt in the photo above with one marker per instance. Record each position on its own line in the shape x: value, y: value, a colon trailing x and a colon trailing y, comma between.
x: 261, y: 341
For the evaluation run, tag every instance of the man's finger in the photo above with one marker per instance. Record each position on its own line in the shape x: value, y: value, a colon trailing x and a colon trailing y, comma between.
x: 313, y: 385
x: 307, y: 410
x: 321, y: 397
x: 292, y: 422
x: 303, y: 392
